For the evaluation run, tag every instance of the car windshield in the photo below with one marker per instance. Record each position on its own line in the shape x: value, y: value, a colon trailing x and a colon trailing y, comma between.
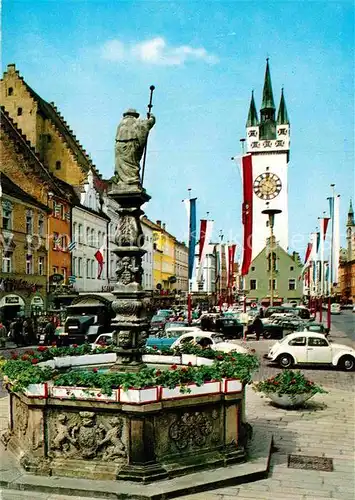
x: 217, y: 338
x: 158, y: 319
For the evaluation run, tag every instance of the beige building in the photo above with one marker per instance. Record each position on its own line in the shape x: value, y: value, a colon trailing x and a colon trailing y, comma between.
x: 181, y: 267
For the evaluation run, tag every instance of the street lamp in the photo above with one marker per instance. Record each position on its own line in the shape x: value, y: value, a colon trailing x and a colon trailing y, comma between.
x: 271, y: 212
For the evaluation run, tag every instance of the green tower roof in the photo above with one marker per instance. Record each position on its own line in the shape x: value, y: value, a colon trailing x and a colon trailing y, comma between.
x: 351, y: 221
x: 282, y: 117
x: 252, y: 120
x: 268, y: 98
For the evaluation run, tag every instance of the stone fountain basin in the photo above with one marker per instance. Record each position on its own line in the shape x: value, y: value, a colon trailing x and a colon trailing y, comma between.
x: 140, y: 434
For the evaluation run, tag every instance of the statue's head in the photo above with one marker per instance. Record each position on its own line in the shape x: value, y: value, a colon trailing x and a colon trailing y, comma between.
x: 131, y: 112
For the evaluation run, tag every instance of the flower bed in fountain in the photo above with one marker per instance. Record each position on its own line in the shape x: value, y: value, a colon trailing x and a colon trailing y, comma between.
x: 52, y: 372
x: 69, y: 417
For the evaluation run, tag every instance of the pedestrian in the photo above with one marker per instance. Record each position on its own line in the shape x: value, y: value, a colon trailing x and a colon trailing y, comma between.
x: 257, y: 327
x: 3, y: 335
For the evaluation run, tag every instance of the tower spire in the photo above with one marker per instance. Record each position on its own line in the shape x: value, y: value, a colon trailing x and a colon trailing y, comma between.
x: 252, y: 120
x: 282, y: 116
x: 350, y: 221
x: 268, y: 98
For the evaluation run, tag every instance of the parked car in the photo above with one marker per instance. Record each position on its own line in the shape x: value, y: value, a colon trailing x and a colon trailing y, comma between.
x: 316, y: 328
x: 157, y: 323
x: 335, y: 308
x: 166, y: 340
x: 230, y: 328
x: 311, y: 348
x: 103, y: 340
x: 209, y: 339
x: 167, y: 313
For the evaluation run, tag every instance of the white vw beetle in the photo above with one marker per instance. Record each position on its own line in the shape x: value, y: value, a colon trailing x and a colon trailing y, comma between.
x: 309, y: 347
x: 209, y: 339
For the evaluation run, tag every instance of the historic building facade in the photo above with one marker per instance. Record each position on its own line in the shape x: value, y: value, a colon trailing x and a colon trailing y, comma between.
x: 181, y: 267
x: 347, y: 263
x: 268, y: 143
x: 90, y: 235
x: 148, y: 257
x: 23, y: 276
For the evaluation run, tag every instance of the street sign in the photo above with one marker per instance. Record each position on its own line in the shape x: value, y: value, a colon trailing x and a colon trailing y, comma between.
x: 254, y: 305
x: 72, y: 279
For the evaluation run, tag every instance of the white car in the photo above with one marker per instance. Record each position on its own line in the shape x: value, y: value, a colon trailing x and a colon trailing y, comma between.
x: 311, y: 348
x: 209, y: 339
x: 335, y: 308
x: 103, y: 340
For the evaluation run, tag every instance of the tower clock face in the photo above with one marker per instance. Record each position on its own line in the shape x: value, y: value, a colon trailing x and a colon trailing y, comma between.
x: 267, y: 186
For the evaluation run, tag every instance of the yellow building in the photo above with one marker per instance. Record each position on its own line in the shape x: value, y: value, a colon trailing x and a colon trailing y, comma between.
x: 45, y: 128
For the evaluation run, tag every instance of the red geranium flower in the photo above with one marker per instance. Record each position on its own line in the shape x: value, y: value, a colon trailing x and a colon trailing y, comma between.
x: 14, y: 355
x: 184, y: 369
x: 173, y: 367
x: 34, y: 361
x: 158, y: 373
x: 24, y: 357
x: 42, y: 348
x: 189, y: 363
x: 75, y: 345
x: 30, y: 352
x: 94, y: 370
x: 220, y: 356
x: 155, y: 347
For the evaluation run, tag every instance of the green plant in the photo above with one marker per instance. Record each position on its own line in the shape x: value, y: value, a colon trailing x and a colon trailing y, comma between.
x: 288, y: 382
x: 22, y: 373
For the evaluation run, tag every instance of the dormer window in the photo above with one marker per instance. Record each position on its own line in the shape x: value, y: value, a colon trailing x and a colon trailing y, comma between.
x: 58, y: 165
x: 19, y: 111
x: 10, y: 91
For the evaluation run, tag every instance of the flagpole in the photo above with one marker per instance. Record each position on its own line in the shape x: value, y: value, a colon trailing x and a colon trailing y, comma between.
x: 189, y: 315
x: 330, y: 288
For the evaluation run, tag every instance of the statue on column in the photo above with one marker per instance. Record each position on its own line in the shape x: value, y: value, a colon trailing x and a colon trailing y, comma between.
x: 131, y: 139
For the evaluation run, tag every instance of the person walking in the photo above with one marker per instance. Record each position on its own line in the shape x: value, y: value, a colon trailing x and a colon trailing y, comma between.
x: 257, y: 327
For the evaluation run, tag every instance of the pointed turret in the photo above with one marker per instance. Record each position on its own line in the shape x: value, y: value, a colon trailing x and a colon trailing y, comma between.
x: 268, y: 97
x: 267, y: 111
x: 252, y: 120
x: 282, y: 116
x: 351, y: 221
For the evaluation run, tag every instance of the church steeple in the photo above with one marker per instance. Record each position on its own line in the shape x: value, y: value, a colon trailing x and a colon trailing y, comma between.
x: 267, y: 111
x: 252, y: 120
x: 282, y: 116
x: 350, y: 221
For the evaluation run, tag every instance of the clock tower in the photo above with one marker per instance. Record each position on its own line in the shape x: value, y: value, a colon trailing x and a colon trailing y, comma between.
x: 268, y: 142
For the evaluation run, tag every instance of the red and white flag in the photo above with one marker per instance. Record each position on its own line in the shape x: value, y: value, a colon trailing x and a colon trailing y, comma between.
x: 247, y: 212
x: 206, y: 229
x: 307, y: 259
x: 231, y: 256
x: 99, y: 256
x: 325, y: 222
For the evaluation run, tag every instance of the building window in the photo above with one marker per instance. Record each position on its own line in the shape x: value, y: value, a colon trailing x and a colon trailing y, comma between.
x: 41, y: 266
x: 55, y: 241
x: 64, y: 243
x: 19, y: 111
x: 10, y: 91
x: 87, y: 242
x: 98, y: 238
x: 112, y: 269
x: 291, y: 268
x: 93, y: 268
x: 80, y: 267
x: 253, y: 285
x: 92, y: 241
x: 7, y: 218
x: 88, y: 267
x: 75, y: 229
x: 41, y: 225
x: 29, y: 265
x: 80, y: 238
x: 7, y: 262
x: 55, y: 269
x: 64, y: 273
x: 62, y: 212
x: 57, y: 209
x: 200, y: 286
x: 253, y: 268
x: 273, y: 284
x: 29, y: 222
x: 58, y: 165
x: 292, y: 284
x: 74, y: 266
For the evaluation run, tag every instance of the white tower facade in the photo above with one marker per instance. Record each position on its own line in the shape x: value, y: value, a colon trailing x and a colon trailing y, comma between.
x: 268, y: 142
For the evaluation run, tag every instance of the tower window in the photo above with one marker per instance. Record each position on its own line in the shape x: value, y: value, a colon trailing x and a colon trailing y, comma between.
x: 58, y: 165
x: 49, y: 138
x: 19, y: 111
x: 291, y: 268
x: 10, y: 91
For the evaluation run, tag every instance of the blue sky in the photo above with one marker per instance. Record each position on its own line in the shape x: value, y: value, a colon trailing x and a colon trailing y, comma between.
x: 94, y: 59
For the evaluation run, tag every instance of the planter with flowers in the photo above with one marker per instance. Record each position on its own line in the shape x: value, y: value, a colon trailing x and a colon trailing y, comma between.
x: 289, y: 389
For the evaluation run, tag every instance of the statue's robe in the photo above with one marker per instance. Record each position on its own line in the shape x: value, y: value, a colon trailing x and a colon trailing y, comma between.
x: 131, y: 138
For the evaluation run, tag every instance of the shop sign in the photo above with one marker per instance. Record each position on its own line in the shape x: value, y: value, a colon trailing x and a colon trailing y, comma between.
x: 12, y: 300
x: 56, y: 278
x: 37, y: 300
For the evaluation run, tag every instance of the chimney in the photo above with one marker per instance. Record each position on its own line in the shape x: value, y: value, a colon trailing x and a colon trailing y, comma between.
x: 163, y: 227
x: 159, y: 223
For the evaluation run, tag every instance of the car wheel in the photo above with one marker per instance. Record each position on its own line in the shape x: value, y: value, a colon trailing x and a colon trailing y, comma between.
x: 267, y: 334
x: 285, y: 361
x: 347, y: 363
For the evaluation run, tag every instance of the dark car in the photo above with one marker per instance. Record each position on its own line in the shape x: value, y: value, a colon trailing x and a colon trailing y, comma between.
x: 157, y: 324
x: 230, y: 328
x: 80, y: 330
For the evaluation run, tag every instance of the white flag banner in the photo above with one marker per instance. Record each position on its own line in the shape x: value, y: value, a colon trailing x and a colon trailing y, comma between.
x: 208, y: 236
x: 336, y: 239
x: 226, y: 256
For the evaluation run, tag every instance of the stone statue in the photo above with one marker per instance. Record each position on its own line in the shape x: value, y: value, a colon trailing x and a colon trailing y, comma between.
x: 131, y: 138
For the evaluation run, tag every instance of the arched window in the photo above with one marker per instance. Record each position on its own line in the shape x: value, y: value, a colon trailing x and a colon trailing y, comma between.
x: 58, y: 165
x: 92, y: 237
x: 87, y: 241
x: 19, y: 111
x: 10, y: 91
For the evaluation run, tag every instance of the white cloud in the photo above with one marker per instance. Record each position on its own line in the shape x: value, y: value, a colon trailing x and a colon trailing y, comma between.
x: 155, y: 51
